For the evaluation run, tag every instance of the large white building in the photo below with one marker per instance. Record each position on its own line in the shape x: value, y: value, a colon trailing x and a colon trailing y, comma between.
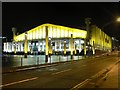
x: 58, y: 35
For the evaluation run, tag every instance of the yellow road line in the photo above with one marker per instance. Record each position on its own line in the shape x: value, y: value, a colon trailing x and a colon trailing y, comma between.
x: 61, y: 71
x: 18, y: 82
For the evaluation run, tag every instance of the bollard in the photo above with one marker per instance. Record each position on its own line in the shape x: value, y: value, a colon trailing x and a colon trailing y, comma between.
x: 21, y: 62
x: 37, y: 60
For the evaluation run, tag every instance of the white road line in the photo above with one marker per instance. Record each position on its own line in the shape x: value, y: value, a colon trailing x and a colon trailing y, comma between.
x: 61, y: 71
x: 34, y: 67
x: 80, y: 84
x: 18, y: 82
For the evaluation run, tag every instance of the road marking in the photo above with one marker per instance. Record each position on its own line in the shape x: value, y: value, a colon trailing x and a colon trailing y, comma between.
x: 61, y: 71
x: 34, y: 67
x: 18, y: 82
x: 80, y: 84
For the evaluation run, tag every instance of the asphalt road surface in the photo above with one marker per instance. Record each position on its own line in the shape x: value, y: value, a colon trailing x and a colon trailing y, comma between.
x: 64, y: 75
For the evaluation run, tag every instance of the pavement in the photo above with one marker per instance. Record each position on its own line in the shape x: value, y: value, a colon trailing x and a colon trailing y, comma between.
x: 112, y: 78
x: 32, y: 67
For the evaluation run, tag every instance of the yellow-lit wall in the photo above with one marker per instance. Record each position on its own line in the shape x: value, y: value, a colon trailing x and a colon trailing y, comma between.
x: 101, y: 40
x: 54, y: 31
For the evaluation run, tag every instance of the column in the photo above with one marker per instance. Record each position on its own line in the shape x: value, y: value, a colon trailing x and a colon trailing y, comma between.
x: 64, y: 47
x: 93, y: 48
x: 85, y: 47
x: 46, y: 40
x: 25, y: 46
x: 71, y: 46
x: 60, y: 45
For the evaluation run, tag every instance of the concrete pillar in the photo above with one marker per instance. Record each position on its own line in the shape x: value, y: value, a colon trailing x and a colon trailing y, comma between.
x: 38, y: 46
x: 43, y: 46
x: 75, y: 47
x: 46, y: 39
x: 50, y: 46
x: 25, y: 46
x: 93, y: 48
x: 85, y: 47
x: 14, y: 48
x: 79, y: 45
x: 18, y: 46
x: 64, y: 47
x: 60, y: 45
x: 22, y: 47
x: 71, y: 46
x: 56, y: 44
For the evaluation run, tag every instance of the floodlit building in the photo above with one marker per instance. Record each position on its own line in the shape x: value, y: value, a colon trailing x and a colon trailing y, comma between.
x: 58, y: 35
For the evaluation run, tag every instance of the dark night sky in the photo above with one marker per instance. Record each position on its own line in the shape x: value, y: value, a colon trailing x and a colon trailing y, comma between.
x: 25, y: 16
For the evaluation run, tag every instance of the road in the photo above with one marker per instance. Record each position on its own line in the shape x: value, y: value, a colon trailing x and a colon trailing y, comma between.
x: 64, y: 75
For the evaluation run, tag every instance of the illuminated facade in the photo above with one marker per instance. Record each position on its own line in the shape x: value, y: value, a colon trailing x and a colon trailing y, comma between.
x: 100, y: 40
x: 57, y: 35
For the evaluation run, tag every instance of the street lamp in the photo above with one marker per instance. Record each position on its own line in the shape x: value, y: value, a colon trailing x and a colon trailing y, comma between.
x: 115, y: 20
x: 118, y: 19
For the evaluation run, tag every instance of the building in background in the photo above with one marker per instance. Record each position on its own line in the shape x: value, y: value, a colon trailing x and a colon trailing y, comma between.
x: 115, y: 44
x: 99, y: 41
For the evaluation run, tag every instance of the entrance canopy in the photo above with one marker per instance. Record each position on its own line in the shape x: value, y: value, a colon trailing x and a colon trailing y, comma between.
x: 54, y: 31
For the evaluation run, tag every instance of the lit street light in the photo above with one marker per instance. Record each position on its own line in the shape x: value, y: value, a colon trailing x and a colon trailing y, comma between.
x: 118, y: 19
